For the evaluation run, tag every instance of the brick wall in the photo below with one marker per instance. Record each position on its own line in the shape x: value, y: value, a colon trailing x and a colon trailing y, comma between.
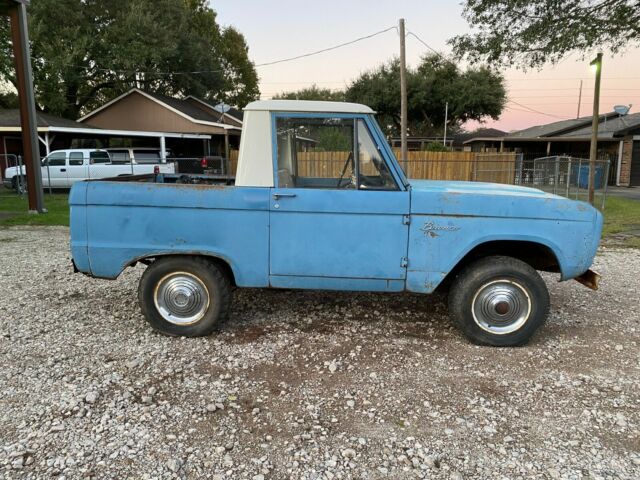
x: 625, y: 167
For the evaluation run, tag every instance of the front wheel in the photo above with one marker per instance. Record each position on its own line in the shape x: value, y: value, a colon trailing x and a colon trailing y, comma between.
x: 184, y: 296
x: 499, y: 301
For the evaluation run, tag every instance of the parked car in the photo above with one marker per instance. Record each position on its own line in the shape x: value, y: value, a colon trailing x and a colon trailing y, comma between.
x: 344, y: 218
x: 62, y: 168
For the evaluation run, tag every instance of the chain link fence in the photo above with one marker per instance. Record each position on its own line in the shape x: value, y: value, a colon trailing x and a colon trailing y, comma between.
x: 565, y: 175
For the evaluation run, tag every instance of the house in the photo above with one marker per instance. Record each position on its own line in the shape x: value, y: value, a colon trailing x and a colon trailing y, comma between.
x: 145, y: 111
x: 56, y: 133
x: 618, y: 141
x: 456, y: 141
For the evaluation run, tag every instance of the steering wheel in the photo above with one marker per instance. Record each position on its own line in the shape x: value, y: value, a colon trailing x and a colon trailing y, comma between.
x: 344, y: 170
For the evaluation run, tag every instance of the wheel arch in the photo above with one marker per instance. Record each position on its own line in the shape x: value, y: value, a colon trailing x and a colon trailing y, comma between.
x: 537, y: 254
x: 222, y: 262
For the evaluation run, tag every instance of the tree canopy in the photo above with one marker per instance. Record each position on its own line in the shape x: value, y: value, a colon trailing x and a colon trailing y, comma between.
x: 473, y: 94
x: 534, y: 32
x: 86, y: 52
x: 312, y: 93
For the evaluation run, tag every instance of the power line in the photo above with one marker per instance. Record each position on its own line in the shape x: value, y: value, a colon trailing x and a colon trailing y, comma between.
x: 567, y: 78
x: 425, y: 44
x: 530, y: 111
x: 335, y: 47
x: 534, y: 110
x: 265, y: 64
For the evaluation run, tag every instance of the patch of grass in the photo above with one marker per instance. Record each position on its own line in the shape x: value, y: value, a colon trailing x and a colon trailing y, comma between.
x: 14, y: 210
x: 621, y: 215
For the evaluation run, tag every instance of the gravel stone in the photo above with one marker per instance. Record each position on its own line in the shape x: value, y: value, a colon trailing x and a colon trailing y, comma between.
x: 308, y: 385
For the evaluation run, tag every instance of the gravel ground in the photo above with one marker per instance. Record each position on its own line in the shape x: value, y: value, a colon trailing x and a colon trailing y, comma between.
x: 311, y: 385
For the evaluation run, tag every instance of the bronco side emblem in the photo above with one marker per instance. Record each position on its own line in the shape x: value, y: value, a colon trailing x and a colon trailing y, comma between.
x: 429, y: 228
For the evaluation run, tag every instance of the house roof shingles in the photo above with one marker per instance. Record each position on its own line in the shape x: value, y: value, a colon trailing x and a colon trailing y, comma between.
x: 611, y: 125
x: 11, y: 118
x: 610, y: 128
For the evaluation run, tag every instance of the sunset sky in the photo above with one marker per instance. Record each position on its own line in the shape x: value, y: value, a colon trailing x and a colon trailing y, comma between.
x: 286, y: 28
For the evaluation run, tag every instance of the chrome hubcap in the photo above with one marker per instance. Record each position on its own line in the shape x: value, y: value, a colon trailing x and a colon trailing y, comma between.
x: 181, y: 298
x: 501, y: 307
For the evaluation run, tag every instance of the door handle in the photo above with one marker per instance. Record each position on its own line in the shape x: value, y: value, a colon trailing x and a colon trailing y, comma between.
x: 277, y: 196
x: 63, y: 169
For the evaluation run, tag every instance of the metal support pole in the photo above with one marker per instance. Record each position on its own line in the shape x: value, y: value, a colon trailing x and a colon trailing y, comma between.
x: 606, y: 183
x: 568, y: 179
x: 163, y: 149
x: 47, y: 148
x: 446, y: 118
x: 20, y: 177
x: 403, y: 99
x: 578, y: 179
x: 579, y: 100
x: 29, y: 124
x: 556, y: 174
x: 593, y: 152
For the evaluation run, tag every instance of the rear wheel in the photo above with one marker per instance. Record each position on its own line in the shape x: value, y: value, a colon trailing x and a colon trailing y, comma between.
x: 184, y: 296
x: 499, y: 301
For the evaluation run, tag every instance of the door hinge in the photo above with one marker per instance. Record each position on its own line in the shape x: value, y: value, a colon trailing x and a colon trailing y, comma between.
x: 406, y: 219
x: 404, y: 262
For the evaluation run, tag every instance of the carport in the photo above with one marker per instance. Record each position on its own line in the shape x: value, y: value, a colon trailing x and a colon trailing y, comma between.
x: 56, y: 133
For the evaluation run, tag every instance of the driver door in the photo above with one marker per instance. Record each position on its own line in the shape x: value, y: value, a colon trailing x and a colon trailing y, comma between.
x: 54, y: 170
x: 333, y: 217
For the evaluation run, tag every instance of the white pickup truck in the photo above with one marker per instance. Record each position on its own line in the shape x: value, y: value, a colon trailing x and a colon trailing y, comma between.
x: 62, y: 168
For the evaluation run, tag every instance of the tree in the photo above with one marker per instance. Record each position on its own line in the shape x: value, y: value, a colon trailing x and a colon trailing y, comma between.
x: 8, y: 97
x: 473, y: 94
x: 533, y: 32
x: 312, y: 93
x: 86, y: 52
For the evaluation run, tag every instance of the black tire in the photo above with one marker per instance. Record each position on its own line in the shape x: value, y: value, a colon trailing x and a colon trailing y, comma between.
x: 197, y: 273
x: 499, y: 301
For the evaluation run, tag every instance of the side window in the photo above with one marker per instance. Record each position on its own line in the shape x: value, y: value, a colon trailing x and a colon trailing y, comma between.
x: 99, y: 157
x: 373, y: 171
x: 330, y: 153
x: 76, y: 158
x: 146, y: 156
x: 56, y: 159
x: 316, y: 153
x: 119, y: 156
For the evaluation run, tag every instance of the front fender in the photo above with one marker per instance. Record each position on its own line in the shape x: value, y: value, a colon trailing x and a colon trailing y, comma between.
x: 438, y: 243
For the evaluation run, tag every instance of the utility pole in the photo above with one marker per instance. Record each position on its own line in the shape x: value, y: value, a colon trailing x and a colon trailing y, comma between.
x: 403, y: 99
x: 579, y: 100
x: 597, y: 63
x: 446, y: 118
x: 17, y: 11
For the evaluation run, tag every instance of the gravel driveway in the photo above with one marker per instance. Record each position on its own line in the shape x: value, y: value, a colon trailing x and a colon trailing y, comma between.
x: 312, y: 385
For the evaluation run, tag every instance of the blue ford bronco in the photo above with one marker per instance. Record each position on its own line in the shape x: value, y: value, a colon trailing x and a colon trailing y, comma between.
x: 320, y: 202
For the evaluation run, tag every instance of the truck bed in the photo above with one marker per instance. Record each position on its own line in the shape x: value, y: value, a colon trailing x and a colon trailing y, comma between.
x: 174, y: 178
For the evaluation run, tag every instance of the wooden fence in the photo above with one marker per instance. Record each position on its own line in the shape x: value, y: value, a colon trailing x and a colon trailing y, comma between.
x: 464, y: 166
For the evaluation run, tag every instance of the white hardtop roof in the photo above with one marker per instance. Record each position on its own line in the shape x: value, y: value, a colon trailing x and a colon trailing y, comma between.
x: 307, y: 106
